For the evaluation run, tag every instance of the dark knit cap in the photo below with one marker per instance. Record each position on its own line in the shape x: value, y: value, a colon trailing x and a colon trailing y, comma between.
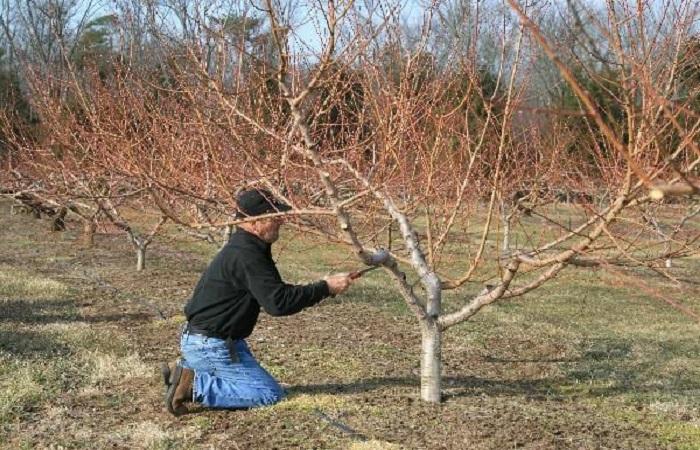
x: 256, y: 202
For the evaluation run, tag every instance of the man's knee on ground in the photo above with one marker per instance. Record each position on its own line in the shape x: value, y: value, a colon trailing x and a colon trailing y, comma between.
x: 271, y: 397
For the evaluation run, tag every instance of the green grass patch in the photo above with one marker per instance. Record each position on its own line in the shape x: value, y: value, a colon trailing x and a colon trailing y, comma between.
x: 26, y: 383
x: 671, y: 431
x: 21, y: 387
x: 15, y: 283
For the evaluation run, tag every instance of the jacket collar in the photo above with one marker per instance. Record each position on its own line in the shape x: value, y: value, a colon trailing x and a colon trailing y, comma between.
x: 243, y: 237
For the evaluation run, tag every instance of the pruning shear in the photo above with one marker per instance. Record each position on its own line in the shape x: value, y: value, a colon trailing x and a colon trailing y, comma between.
x: 358, y: 273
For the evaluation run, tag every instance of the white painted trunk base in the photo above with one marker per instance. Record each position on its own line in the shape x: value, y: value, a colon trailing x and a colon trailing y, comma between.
x: 431, y: 363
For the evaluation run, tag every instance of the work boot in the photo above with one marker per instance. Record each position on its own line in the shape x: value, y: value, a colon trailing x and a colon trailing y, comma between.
x: 165, y: 372
x: 180, y: 390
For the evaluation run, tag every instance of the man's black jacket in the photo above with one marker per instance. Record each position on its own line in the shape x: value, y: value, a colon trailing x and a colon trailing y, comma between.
x: 239, y: 280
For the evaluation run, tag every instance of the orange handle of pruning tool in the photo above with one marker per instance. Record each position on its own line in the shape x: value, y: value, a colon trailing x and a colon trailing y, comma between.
x: 358, y: 273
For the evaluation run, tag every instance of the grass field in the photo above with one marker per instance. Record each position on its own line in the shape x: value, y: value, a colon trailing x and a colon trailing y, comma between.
x: 585, y: 362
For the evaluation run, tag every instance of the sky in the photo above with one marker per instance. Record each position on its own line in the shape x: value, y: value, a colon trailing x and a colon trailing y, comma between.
x: 309, y: 33
x: 311, y: 27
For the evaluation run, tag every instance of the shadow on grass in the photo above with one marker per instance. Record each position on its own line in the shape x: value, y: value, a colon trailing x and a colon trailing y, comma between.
x: 38, y: 311
x: 31, y: 344
x: 52, y: 311
x: 605, y: 367
x: 594, y: 350
x: 454, y: 386
x: 459, y: 387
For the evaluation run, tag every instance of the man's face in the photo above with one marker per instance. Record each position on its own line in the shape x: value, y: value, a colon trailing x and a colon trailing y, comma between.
x: 269, y: 229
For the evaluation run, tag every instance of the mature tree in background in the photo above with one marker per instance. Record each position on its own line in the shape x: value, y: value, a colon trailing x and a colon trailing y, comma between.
x: 13, y: 100
x: 96, y: 46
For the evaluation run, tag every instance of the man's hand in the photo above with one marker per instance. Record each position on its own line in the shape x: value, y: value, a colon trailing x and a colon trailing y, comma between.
x: 338, y: 283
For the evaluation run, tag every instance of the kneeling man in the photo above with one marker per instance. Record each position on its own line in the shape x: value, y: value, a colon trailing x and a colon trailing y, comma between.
x: 217, y: 368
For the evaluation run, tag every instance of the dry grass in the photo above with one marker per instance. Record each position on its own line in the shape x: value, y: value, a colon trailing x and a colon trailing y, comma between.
x: 19, y: 387
x: 111, y: 369
x: 373, y: 445
x: 17, y: 283
x: 310, y: 403
x: 145, y: 435
x: 585, y: 362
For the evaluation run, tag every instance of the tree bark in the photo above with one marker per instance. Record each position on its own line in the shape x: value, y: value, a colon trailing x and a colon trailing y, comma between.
x: 431, y: 341
x: 431, y: 361
x: 59, y: 221
x: 140, y: 258
x: 88, y: 235
x: 505, y: 217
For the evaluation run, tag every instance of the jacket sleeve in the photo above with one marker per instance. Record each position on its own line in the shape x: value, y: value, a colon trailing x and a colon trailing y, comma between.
x: 276, y: 297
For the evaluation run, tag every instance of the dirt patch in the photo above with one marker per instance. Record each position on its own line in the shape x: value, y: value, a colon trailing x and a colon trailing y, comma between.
x: 81, y: 346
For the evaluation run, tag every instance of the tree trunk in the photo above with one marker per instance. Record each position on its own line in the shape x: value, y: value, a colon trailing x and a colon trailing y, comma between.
x: 505, y: 219
x: 505, y: 249
x: 59, y: 221
x: 88, y: 235
x: 140, y: 258
x: 431, y: 361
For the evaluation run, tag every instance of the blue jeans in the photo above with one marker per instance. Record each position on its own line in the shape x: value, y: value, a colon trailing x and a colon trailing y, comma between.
x: 221, y: 383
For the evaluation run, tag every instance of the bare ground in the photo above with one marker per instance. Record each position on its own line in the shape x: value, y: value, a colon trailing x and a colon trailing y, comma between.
x: 579, y: 365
